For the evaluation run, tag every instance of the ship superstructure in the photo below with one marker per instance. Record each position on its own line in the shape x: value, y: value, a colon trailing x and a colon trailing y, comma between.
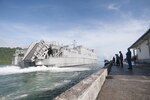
x: 53, y: 54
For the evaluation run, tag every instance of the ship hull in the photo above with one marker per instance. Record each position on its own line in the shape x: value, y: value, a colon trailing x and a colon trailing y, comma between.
x: 65, y: 61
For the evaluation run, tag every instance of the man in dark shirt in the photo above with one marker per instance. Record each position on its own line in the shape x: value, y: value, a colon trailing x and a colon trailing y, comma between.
x: 117, y: 60
x: 128, y: 57
x: 113, y: 60
x: 50, y: 51
x: 121, y: 59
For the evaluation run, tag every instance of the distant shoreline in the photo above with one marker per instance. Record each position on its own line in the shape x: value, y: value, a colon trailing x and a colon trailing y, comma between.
x: 6, y: 54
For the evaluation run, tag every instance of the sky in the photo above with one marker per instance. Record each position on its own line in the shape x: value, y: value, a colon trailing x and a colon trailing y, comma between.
x: 108, y: 26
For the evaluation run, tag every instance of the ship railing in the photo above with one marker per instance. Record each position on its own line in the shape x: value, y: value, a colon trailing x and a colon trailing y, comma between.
x: 59, y: 54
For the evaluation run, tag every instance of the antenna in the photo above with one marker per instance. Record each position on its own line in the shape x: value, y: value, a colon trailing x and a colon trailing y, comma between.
x: 74, y: 43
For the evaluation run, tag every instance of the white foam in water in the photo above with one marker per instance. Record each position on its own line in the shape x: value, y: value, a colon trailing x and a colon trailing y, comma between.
x: 16, y: 69
x: 21, y: 96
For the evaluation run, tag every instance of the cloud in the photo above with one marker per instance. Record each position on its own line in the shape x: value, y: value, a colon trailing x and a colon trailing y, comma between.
x: 111, y: 38
x: 105, y: 38
x: 113, y: 7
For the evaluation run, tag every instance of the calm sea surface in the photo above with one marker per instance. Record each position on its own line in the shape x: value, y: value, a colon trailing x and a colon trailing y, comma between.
x: 40, y: 83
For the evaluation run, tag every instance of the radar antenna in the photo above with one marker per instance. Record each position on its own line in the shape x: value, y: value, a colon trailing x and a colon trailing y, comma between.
x: 74, y: 43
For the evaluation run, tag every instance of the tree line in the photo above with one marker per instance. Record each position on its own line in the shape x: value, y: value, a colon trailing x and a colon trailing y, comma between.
x: 6, y: 55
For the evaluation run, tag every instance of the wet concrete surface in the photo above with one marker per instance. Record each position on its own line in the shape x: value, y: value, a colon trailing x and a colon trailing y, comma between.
x: 125, y: 84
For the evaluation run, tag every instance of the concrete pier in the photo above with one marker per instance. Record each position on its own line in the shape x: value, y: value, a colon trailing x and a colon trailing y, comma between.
x: 87, y: 89
x: 125, y: 84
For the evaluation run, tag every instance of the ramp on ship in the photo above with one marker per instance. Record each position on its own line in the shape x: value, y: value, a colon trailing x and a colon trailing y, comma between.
x: 34, y: 51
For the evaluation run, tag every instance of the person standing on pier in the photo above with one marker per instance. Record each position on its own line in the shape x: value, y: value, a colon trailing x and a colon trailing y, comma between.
x: 113, y: 60
x: 117, y: 60
x: 128, y: 57
x: 121, y: 59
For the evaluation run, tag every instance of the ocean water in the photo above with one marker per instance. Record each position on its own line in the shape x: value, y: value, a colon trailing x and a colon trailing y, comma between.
x: 41, y: 82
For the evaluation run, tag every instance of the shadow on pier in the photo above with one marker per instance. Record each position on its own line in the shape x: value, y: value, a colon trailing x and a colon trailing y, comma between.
x: 125, y: 84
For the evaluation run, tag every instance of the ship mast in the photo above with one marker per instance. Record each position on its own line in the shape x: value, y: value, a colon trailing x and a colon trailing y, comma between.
x: 74, y: 43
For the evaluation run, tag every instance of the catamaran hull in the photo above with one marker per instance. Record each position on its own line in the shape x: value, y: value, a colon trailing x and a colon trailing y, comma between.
x: 64, y: 61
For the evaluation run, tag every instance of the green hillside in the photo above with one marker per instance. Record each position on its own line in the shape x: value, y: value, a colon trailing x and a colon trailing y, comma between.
x: 6, y: 55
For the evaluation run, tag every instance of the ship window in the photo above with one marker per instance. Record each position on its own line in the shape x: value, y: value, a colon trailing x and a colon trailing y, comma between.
x: 21, y: 55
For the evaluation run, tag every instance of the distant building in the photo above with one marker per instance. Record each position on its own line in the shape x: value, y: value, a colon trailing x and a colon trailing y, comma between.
x: 141, y: 48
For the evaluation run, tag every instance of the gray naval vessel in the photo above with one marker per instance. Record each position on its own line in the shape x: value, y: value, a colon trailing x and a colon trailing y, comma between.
x: 53, y: 54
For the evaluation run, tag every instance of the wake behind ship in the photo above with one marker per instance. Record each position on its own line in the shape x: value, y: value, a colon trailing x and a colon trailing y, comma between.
x: 53, y: 54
